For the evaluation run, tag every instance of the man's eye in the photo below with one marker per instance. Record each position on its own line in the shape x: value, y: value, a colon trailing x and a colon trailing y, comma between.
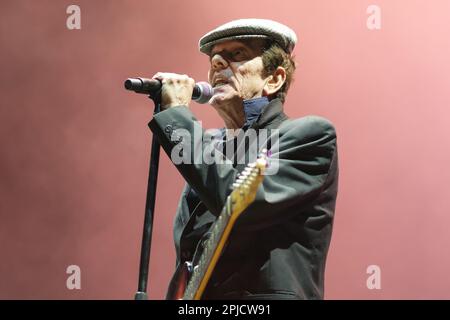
x: 237, y: 53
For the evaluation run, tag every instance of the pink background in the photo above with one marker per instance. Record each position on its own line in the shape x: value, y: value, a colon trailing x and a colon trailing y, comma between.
x: 75, y: 144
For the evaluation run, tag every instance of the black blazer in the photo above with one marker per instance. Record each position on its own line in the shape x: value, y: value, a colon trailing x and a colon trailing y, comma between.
x: 279, y: 245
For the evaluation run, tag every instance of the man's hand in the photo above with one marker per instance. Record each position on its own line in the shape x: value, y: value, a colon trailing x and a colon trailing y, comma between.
x: 176, y: 89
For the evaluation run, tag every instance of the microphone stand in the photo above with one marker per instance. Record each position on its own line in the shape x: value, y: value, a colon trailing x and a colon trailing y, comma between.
x: 141, y: 293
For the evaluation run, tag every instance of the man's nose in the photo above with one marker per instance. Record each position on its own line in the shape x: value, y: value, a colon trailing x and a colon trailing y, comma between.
x: 218, y: 62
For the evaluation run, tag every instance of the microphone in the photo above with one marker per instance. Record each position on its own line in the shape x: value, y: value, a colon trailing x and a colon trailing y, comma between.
x: 201, y: 94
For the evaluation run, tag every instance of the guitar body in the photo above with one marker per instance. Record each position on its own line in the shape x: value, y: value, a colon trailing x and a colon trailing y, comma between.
x: 180, y: 281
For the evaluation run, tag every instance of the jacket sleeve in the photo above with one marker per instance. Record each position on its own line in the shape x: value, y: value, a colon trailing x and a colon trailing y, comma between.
x: 306, y: 150
x: 182, y: 138
x: 307, y: 164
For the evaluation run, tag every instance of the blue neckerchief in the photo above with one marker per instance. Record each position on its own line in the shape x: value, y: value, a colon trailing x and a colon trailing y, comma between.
x: 252, y: 109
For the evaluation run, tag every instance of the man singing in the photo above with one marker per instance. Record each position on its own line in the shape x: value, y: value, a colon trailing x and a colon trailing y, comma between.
x: 279, y: 245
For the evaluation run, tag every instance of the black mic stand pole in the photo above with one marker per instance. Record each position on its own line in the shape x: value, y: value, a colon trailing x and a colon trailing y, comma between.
x: 141, y: 293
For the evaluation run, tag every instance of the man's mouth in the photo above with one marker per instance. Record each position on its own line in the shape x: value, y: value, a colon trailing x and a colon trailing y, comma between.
x: 220, y: 82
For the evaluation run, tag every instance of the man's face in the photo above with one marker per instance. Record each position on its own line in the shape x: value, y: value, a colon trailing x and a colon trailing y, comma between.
x: 236, y: 71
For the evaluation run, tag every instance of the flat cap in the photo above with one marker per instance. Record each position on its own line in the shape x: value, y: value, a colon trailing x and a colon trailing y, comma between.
x: 249, y: 28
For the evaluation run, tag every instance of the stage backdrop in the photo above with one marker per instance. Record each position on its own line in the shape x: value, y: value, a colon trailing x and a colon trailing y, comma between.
x: 75, y: 145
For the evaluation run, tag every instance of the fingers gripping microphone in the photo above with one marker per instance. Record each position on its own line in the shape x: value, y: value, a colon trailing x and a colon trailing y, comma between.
x: 201, y: 94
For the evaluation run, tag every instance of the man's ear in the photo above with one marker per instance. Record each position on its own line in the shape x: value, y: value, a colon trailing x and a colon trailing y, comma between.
x: 275, y: 82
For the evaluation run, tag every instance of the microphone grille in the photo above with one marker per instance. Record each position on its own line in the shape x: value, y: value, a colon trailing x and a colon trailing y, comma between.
x: 206, y: 92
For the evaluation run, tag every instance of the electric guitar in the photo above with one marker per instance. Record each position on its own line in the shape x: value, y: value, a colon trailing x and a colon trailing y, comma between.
x: 191, y: 280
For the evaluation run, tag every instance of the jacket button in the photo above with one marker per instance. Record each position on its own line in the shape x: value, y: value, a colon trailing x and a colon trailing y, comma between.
x: 168, y: 129
x: 176, y: 139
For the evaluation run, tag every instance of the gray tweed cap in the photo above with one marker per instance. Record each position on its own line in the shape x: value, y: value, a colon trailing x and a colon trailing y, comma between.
x: 249, y: 28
